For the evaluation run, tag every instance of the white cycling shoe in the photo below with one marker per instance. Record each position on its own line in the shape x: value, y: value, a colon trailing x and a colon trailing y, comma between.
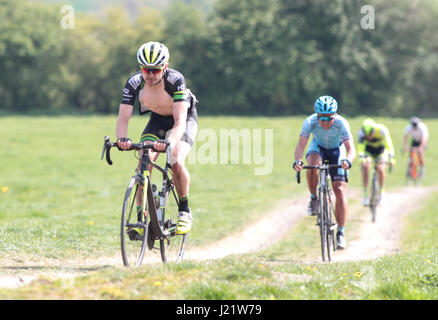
x: 184, y: 224
x: 365, y: 201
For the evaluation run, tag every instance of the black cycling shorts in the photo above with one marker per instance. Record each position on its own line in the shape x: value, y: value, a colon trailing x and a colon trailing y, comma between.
x: 158, y: 126
x: 415, y: 143
x: 375, y: 151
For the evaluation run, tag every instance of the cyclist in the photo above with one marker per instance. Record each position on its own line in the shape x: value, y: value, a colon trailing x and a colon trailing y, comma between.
x: 420, y: 135
x: 162, y: 92
x: 375, y: 143
x: 332, y: 141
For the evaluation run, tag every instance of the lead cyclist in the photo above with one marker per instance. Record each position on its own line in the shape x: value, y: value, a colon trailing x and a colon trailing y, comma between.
x: 162, y: 92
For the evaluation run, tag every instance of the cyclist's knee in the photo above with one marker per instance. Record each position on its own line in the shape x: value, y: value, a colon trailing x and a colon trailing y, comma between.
x: 339, y: 188
x: 365, y: 165
x: 381, y: 167
x: 314, y: 159
x: 178, y: 167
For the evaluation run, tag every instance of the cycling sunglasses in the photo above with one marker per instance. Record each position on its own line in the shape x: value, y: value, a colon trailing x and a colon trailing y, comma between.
x: 326, y: 119
x: 153, y: 70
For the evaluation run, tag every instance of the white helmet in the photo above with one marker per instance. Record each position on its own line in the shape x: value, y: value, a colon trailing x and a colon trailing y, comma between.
x: 153, y: 54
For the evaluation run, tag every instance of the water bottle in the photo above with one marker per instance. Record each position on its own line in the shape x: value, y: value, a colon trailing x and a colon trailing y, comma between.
x: 161, y: 204
x: 157, y: 202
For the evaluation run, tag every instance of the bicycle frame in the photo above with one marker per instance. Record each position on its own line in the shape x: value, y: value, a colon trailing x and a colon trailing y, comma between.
x: 161, y: 224
x: 413, y: 164
x: 324, y: 218
x: 375, y: 190
x: 143, y: 175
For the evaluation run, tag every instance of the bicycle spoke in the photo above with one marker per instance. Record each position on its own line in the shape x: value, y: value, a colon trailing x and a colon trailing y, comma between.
x: 133, y: 228
x: 172, y: 248
x: 322, y: 226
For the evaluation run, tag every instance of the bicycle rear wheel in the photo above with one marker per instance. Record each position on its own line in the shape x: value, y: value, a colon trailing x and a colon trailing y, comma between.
x: 133, y: 231
x: 172, y: 248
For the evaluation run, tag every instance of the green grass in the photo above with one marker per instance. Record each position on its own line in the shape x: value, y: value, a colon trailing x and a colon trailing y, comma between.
x: 58, y: 200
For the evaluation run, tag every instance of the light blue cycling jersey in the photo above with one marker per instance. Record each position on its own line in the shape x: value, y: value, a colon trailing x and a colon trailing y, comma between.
x: 331, y: 138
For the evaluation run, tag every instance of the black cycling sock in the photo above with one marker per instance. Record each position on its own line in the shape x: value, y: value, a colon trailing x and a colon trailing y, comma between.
x: 184, y: 204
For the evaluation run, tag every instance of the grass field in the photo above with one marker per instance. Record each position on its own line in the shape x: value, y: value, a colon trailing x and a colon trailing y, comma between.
x: 58, y: 200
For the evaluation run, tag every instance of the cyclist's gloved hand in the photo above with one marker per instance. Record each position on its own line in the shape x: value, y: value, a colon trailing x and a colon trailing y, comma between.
x: 161, y: 145
x: 124, y: 143
x: 297, y: 165
x: 348, y: 162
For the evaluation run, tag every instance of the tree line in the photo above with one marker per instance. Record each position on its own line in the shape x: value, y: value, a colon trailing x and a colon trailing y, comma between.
x: 243, y: 57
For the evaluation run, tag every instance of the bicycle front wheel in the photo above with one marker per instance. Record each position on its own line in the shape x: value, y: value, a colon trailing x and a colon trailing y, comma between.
x: 322, y: 224
x: 330, y: 233
x: 133, y: 231
x: 172, y: 248
x: 374, y: 197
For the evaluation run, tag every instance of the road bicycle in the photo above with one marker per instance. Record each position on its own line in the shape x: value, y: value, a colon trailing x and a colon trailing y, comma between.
x: 325, y: 218
x: 156, y: 220
x: 375, y: 194
x: 413, y: 169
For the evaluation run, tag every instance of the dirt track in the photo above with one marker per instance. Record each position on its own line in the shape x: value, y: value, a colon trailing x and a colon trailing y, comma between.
x: 383, y: 237
x: 375, y: 240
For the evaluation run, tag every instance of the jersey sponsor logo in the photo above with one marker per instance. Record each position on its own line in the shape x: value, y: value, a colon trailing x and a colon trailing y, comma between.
x: 173, y: 77
x: 135, y: 81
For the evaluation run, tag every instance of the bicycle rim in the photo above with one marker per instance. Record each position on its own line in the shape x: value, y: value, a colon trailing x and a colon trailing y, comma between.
x: 133, y: 232
x: 329, y: 231
x: 374, y: 197
x: 172, y: 248
x: 322, y: 225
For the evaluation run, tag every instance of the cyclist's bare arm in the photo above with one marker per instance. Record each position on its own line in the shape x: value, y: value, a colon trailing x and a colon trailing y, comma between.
x: 405, y: 142
x: 423, y: 143
x: 388, y: 143
x: 299, y: 151
x: 351, y: 153
x: 125, y: 112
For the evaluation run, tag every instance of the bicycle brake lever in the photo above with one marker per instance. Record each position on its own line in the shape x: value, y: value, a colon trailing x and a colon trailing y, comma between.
x: 108, y: 156
x: 106, y: 140
x: 298, y: 177
x: 106, y: 150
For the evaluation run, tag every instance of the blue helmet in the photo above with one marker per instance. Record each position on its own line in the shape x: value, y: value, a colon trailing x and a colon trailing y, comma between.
x: 326, y: 104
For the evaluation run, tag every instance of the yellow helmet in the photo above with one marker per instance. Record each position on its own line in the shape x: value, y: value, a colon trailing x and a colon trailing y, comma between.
x: 153, y: 54
x: 368, y: 126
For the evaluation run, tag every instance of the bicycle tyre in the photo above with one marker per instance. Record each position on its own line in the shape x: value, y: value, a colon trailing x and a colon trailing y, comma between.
x: 329, y: 232
x: 322, y: 225
x: 133, y: 244
x: 172, y: 248
x: 374, y: 197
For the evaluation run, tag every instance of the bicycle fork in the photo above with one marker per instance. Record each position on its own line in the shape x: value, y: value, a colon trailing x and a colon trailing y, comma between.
x: 324, y: 193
